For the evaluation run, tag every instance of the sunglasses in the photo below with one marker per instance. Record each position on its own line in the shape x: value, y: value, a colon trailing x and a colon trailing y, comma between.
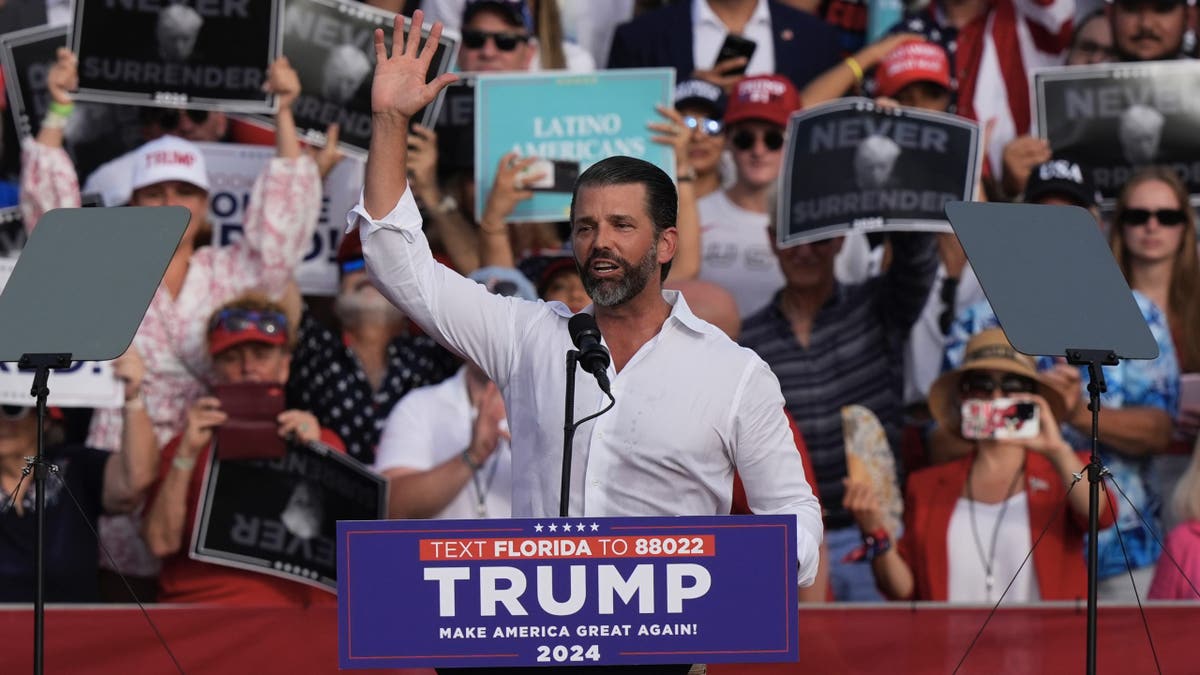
x: 1165, y: 217
x: 744, y: 140
x: 976, y: 384
x: 238, y: 320
x: 169, y: 119
x: 14, y: 413
x: 505, y: 42
x: 706, y: 125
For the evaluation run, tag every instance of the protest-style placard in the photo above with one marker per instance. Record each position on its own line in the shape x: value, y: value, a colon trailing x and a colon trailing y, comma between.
x: 12, y: 233
x: 207, y: 55
x: 1116, y: 118
x: 569, y: 122
x: 455, y: 125
x: 94, y: 133
x: 567, y: 591
x: 232, y: 169
x: 331, y: 45
x: 279, y: 516
x: 851, y: 165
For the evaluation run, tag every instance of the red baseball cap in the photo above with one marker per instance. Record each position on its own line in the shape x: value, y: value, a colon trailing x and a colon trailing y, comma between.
x: 770, y: 98
x: 233, y: 326
x: 917, y: 61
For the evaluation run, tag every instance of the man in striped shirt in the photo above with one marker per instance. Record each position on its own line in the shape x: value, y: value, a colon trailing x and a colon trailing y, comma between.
x: 831, y: 345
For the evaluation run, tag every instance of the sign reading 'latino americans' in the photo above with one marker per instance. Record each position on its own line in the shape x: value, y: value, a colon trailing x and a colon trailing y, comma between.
x: 851, y: 165
x: 568, y: 591
x: 1114, y: 119
x: 331, y: 45
x: 193, y: 53
x: 568, y: 122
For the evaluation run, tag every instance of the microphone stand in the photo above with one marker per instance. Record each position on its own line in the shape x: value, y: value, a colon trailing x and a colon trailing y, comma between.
x: 568, y: 433
x: 569, y: 427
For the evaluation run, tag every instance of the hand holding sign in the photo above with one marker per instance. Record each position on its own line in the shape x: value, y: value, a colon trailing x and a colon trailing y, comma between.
x: 283, y: 82
x: 204, y: 416
x: 398, y: 90
x: 507, y: 191
x: 675, y: 134
x: 130, y: 369
x: 63, y: 77
x: 303, y: 425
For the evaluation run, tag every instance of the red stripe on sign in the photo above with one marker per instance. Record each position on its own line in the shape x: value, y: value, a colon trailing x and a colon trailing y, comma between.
x: 547, y: 548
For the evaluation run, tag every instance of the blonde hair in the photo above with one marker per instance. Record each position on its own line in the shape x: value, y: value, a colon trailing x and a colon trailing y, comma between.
x: 1183, y: 300
x: 1185, y: 500
x: 550, y: 35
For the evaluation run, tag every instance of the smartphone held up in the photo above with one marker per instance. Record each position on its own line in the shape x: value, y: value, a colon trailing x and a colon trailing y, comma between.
x: 1000, y: 419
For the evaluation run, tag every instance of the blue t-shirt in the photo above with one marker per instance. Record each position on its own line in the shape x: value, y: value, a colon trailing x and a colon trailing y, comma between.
x: 70, y: 547
x: 1152, y: 384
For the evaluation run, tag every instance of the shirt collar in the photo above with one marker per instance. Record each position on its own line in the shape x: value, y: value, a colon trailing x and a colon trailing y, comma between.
x: 679, y: 311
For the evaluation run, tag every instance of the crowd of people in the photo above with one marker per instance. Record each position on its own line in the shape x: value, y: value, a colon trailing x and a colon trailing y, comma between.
x: 881, y: 350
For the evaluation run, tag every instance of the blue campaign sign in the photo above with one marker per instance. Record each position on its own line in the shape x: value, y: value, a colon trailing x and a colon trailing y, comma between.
x: 582, y: 591
x: 569, y: 122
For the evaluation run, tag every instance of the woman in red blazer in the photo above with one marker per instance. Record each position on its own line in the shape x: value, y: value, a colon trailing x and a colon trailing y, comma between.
x: 969, y: 524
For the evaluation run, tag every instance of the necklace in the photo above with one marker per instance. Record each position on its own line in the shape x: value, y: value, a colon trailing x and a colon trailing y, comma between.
x: 483, y: 487
x: 990, y: 558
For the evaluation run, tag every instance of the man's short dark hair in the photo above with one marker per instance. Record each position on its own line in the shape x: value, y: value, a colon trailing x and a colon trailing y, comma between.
x: 662, y: 201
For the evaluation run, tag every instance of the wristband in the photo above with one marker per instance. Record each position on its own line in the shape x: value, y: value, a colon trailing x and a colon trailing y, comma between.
x: 688, y: 176
x: 54, y: 120
x: 136, y: 403
x: 855, y: 67
x: 183, y: 463
x: 877, y: 543
x: 466, y: 458
x: 64, y: 109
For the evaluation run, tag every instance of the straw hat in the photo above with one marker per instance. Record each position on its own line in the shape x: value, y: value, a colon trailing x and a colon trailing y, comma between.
x: 987, y: 350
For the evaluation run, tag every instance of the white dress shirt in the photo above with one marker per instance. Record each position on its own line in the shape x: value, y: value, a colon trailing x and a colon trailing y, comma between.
x: 691, y: 405
x: 708, y: 34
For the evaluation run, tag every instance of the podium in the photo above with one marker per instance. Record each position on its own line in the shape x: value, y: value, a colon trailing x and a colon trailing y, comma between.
x: 558, y: 592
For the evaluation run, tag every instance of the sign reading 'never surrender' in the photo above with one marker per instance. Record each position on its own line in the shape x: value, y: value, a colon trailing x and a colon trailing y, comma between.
x: 583, y: 591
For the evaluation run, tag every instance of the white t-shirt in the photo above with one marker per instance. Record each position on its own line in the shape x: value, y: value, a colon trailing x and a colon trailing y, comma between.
x: 432, y: 424
x: 926, y: 343
x: 737, y: 253
x: 968, y: 580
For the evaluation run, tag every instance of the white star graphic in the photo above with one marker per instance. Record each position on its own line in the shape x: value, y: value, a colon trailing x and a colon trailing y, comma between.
x: 537, y: 528
x: 567, y: 527
x: 553, y: 527
x: 595, y: 527
x: 579, y: 527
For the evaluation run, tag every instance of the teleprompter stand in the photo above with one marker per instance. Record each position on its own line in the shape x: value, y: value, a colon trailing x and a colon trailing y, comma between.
x: 1057, y: 291
x: 79, y: 291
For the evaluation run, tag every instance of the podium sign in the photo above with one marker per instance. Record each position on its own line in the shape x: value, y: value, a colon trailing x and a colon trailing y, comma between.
x: 558, y: 591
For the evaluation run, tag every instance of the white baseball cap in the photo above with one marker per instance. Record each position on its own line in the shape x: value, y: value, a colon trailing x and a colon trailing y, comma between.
x: 169, y: 158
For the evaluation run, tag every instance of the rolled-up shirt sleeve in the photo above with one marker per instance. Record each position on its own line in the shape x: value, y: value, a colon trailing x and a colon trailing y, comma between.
x: 457, y: 312
x: 771, y: 469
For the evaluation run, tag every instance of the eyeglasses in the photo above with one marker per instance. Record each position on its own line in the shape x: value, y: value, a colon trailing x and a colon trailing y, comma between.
x: 979, y: 384
x: 14, y: 413
x: 238, y: 320
x: 706, y: 125
x: 505, y: 42
x: 1165, y: 217
x: 744, y: 139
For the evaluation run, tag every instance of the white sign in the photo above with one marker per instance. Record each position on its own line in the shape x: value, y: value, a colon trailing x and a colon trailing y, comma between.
x: 232, y: 169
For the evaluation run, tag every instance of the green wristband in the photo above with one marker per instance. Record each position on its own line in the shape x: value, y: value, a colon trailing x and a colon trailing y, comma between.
x: 64, y: 109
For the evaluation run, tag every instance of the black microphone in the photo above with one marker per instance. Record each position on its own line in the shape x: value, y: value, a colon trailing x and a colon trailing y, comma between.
x: 593, y: 356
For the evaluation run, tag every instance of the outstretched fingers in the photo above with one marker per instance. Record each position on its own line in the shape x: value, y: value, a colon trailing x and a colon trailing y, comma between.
x: 412, y: 42
x: 381, y: 54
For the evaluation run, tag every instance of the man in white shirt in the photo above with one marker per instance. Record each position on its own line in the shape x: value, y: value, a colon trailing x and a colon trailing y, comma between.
x: 690, y: 405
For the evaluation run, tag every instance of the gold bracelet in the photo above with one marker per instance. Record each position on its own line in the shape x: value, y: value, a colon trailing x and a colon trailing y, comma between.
x: 855, y: 67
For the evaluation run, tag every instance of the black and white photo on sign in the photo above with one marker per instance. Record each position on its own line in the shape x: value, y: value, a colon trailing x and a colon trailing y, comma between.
x: 94, y: 133
x: 851, y: 165
x: 1116, y: 118
x: 279, y: 516
x: 207, y: 55
x: 331, y: 45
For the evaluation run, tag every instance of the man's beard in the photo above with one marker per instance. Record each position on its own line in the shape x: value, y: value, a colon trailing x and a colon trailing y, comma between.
x: 610, y: 292
x: 356, y: 307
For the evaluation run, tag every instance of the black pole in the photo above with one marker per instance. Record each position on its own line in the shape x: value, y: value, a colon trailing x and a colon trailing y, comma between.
x: 568, y: 434
x: 1094, y: 359
x: 41, y: 365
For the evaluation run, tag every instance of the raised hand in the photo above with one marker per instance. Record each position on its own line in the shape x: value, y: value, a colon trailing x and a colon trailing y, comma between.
x: 508, y: 190
x: 399, y: 89
x: 675, y: 133
x: 283, y: 81
x: 130, y: 369
x: 63, y: 76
